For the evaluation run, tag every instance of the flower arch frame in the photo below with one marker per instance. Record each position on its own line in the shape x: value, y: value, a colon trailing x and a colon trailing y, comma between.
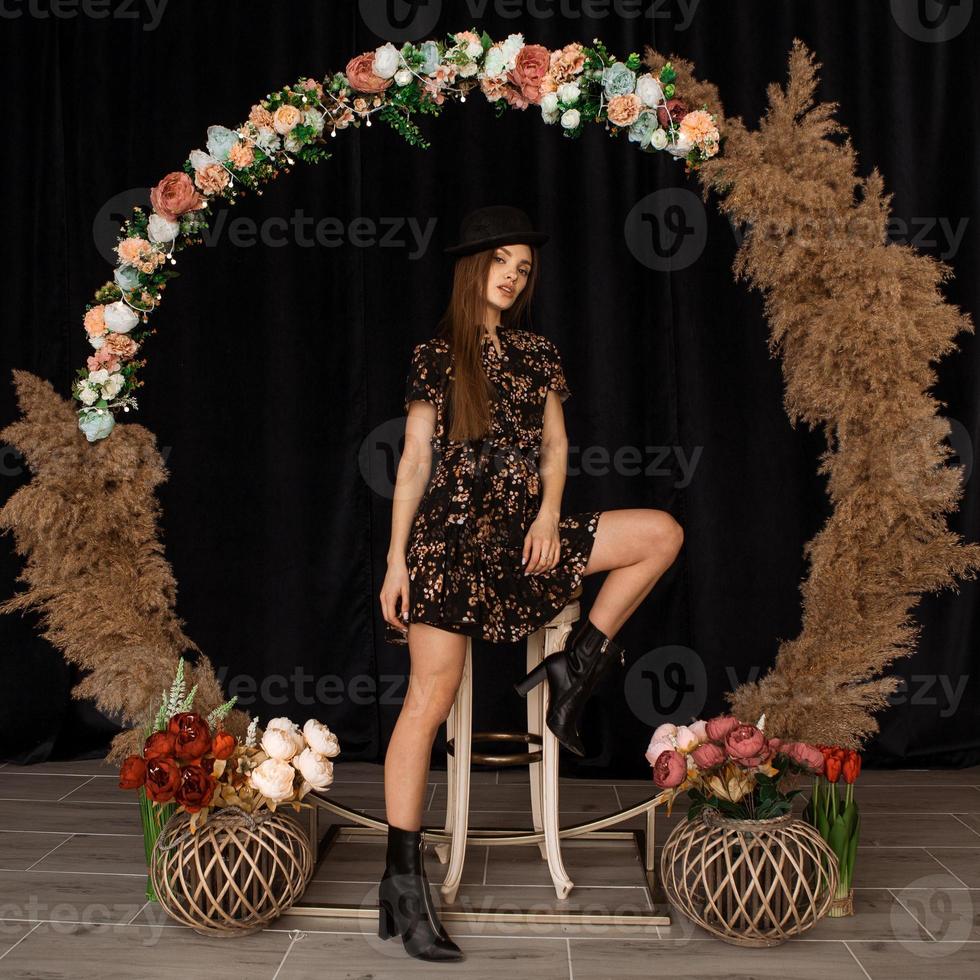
x: 887, y: 540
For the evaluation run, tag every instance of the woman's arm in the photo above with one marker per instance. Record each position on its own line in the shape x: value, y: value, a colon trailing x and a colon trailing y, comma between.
x: 543, y: 535
x: 414, y: 470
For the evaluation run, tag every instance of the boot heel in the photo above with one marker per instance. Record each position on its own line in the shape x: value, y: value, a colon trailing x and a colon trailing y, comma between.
x: 532, y: 680
x: 386, y: 921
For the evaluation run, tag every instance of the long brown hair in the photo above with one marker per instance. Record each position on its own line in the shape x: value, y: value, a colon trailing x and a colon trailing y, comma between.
x: 470, y: 391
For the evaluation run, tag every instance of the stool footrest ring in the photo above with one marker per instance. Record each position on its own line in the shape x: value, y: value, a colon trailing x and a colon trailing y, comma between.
x: 503, y: 759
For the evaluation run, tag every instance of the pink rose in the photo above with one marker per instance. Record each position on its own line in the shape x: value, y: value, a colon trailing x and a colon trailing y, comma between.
x: 745, y: 742
x: 670, y: 769
x: 530, y: 68
x: 708, y: 755
x: 805, y: 755
x: 718, y: 728
x: 175, y: 195
x: 360, y: 74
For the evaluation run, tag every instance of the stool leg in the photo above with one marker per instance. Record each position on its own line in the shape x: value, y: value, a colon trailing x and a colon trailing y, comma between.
x: 549, y: 787
x: 536, y: 724
x: 442, y: 850
x: 461, y: 794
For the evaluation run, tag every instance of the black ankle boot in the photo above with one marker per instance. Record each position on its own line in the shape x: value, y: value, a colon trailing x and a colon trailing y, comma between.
x: 404, y: 903
x: 573, y: 673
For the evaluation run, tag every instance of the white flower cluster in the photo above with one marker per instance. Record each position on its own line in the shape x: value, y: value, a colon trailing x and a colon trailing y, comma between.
x: 292, y: 752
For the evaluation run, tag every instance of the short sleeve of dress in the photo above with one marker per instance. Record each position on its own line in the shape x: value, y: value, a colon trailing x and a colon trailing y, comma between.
x: 422, y: 382
x: 556, y: 373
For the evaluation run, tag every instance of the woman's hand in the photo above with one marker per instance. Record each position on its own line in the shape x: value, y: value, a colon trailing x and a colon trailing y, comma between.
x: 542, y: 545
x: 394, y: 589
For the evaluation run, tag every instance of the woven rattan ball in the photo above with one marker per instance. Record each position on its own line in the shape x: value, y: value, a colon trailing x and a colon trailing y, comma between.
x: 749, y: 882
x: 235, y: 874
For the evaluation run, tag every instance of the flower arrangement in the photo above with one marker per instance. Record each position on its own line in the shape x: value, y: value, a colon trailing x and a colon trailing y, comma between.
x: 837, y: 817
x: 191, y: 762
x: 730, y: 766
x: 571, y: 86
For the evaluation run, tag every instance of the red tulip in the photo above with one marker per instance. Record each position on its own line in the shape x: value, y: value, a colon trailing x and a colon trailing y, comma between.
x: 851, y: 766
x: 832, y: 768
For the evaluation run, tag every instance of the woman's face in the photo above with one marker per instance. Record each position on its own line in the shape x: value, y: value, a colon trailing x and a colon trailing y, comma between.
x: 508, y: 275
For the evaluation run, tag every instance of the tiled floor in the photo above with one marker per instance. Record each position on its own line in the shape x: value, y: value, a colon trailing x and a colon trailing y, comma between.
x: 72, y: 880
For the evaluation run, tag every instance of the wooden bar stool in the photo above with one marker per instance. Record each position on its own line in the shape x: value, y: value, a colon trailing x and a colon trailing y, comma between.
x: 543, y: 762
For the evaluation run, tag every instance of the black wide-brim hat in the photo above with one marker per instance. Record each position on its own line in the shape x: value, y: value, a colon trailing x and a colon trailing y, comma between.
x: 498, y: 224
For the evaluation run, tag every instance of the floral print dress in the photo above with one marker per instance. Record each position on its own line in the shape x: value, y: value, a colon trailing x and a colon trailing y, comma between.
x: 467, y: 537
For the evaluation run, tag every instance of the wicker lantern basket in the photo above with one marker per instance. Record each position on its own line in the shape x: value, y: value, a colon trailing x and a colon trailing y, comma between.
x: 235, y: 874
x: 749, y: 882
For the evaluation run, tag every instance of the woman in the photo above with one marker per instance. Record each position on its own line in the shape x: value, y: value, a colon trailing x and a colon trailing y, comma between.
x: 480, y: 549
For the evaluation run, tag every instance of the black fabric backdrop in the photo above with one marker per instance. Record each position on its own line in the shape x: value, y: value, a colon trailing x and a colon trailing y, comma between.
x: 275, y: 381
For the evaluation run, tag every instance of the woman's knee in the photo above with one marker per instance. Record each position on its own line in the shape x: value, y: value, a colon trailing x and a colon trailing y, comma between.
x: 430, y: 699
x: 665, y: 533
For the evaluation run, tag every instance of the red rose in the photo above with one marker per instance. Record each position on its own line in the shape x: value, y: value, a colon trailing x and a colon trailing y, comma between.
x: 192, y: 737
x: 175, y: 195
x: 673, y: 110
x: 160, y: 745
x: 670, y: 769
x: 745, y: 742
x: 531, y: 65
x: 132, y: 773
x: 708, y: 755
x: 719, y: 727
x: 223, y: 745
x: 195, y: 789
x: 851, y: 767
x: 162, y: 779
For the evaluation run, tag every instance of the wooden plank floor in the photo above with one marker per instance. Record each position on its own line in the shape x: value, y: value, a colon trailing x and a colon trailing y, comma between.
x: 72, y: 882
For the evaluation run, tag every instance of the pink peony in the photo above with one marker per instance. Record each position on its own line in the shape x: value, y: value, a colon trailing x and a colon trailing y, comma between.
x: 360, y: 74
x: 174, y: 196
x: 670, y: 769
x: 700, y: 729
x: 666, y: 731
x: 530, y: 68
x: 745, y: 742
x: 708, y: 755
x: 657, y: 746
x: 805, y: 755
x: 718, y: 728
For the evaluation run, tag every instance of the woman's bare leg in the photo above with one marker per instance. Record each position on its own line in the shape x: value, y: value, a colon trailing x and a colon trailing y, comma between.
x: 437, y: 668
x: 637, y: 545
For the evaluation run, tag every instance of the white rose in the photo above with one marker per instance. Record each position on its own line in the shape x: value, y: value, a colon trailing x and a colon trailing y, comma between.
x: 570, y: 118
x: 550, y: 118
x: 680, y: 149
x: 316, y: 769
x: 649, y: 91
x: 113, y: 386
x: 386, y: 60
x: 658, y: 139
x: 320, y: 738
x: 119, y: 318
x: 279, y: 744
x: 549, y: 102
x: 569, y: 92
x: 273, y: 779
x: 88, y: 395
x: 402, y: 77
x: 160, y: 229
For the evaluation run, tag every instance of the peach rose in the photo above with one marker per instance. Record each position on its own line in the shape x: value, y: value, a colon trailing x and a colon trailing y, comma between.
x: 175, y: 195
x: 286, y: 118
x: 260, y: 116
x: 120, y: 345
x: 95, y: 321
x: 531, y: 66
x: 241, y: 155
x: 698, y: 126
x: 624, y: 110
x: 211, y: 178
x: 360, y: 74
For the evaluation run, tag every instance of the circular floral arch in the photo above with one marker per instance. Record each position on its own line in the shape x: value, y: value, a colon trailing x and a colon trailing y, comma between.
x: 830, y: 320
